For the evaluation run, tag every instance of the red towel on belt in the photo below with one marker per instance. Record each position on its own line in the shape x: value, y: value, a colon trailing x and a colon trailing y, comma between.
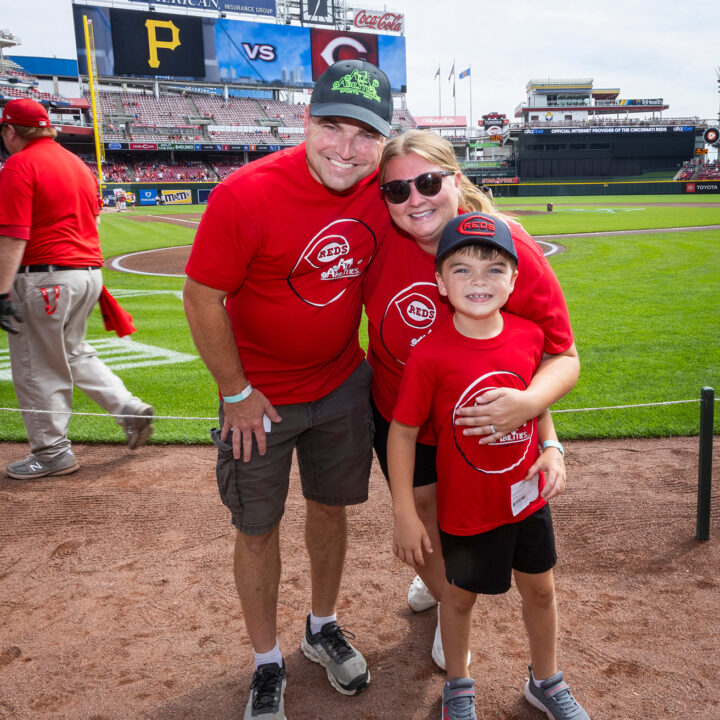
x: 114, y: 317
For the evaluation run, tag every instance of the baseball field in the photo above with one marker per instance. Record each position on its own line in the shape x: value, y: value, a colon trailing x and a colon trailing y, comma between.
x: 643, y: 304
x: 116, y: 589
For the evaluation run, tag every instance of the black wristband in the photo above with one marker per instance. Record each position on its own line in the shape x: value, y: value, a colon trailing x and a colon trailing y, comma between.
x: 4, y: 296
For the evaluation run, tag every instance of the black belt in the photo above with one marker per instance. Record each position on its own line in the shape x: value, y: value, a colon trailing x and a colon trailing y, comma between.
x: 52, y: 268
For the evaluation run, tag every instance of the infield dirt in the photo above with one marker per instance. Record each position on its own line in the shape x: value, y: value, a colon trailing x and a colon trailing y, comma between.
x: 118, y: 602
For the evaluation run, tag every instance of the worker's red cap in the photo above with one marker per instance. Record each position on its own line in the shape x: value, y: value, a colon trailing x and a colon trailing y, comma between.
x: 25, y: 112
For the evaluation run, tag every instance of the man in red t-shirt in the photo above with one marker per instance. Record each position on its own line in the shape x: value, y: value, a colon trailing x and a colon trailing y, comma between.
x: 273, y: 300
x: 50, y: 280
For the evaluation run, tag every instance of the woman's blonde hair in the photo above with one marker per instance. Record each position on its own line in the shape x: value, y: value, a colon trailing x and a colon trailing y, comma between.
x: 438, y: 151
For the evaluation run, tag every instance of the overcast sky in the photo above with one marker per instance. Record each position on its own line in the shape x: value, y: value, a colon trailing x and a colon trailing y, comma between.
x: 659, y: 49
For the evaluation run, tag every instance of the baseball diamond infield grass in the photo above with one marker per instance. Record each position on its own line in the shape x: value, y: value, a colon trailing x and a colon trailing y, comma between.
x: 644, y: 307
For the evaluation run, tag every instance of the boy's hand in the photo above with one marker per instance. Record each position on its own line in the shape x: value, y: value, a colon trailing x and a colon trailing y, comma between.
x: 409, y: 540
x: 552, y: 463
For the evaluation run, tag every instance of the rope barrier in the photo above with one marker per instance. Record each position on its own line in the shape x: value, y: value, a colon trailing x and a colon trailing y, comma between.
x: 214, y: 419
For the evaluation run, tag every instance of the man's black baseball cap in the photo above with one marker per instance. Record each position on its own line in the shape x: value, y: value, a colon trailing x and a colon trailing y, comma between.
x: 475, y: 229
x: 354, y: 89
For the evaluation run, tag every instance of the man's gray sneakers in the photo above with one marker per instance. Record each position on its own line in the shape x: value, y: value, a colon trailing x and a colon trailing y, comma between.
x: 267, y: 692
x: 458, y: 700
x: 346, y: 668
x: 32, y: 467
x: 138, y: 427
x: 554, y: 698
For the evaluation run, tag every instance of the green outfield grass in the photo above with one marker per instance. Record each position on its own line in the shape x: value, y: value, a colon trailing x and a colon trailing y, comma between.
x: 644, y: 310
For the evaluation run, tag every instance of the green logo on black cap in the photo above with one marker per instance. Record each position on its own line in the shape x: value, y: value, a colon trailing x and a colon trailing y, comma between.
x: 358, y: 82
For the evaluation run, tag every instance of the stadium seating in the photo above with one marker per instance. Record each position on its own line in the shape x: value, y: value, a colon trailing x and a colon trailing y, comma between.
x: 224, y: 168
x: 403, y: 118
x: 711, y: 171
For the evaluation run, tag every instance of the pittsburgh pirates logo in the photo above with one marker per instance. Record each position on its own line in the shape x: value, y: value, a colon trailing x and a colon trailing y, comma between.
x: 154, y: 44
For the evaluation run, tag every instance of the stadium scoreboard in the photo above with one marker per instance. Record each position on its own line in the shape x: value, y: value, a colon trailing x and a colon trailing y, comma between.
x: 217, y: 50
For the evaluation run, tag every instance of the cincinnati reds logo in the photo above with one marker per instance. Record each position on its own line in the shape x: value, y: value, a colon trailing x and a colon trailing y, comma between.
x: 333, y: 250
x: 408, y: 318
x: 334, y: 259
x: 502, y: 455
x: 474, y: 225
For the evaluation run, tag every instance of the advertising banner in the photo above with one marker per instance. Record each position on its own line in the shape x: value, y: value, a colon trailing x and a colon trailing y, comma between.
x: 203, y: 195
x: 258, y: 7
x: 221, y: 50
x: 624, y: 130
x: 434, y: 121
x: 702, y: 187
x: 148, y: 196
x: 176, y: 197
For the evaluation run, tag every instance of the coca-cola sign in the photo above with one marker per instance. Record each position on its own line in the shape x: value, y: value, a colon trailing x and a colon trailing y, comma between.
x: 392, y: 22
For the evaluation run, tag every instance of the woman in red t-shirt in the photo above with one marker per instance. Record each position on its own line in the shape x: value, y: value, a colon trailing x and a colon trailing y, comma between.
x: 424, y: 188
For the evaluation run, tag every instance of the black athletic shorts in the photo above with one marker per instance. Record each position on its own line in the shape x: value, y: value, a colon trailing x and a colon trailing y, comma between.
x: 425, y: 473
x: 484, y: 563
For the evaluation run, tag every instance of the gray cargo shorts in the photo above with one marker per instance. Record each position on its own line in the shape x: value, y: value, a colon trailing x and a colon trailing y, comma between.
x: 333, y: 439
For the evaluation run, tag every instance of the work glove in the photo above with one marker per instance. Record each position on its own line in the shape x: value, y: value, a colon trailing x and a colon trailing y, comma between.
x: 8, y: 310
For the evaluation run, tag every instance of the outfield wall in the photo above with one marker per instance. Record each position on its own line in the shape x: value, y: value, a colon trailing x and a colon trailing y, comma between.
x: 189, y: 193
x: 604, y: 187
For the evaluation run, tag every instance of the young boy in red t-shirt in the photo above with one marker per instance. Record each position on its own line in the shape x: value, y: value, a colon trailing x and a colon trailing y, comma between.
x: 492, y: 499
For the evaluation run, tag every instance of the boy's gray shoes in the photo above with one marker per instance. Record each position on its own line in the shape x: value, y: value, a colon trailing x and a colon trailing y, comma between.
x: 458, y: 700
x: 554, y: 698
x: 138, y: 427
x: 32, y: 467
x: 346, y: 668
x: 267, y: 690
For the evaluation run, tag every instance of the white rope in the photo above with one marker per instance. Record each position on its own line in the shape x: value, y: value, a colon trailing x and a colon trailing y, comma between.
x: 621, y: 407
x: 214, y: 419
x: 87, y: 414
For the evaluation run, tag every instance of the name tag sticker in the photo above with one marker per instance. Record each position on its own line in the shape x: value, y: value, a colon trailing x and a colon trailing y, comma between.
x: 523, y: 493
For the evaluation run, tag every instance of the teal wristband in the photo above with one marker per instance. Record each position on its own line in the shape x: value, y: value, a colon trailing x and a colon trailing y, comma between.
x: 555, y: 444
x: 240, y: 396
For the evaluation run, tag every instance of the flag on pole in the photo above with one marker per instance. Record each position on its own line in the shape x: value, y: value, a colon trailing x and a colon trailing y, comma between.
x: 464, y: 74
x: 452, y: 72
x: 437, y: 74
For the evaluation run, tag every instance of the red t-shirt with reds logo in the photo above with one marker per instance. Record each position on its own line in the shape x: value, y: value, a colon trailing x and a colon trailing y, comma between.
x: 49, y: 199
x: 480, y: 487
x: 403, y: 305
x: 291, y: 254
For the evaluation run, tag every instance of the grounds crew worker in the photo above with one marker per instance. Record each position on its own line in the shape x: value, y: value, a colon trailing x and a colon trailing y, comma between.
x: 50, y: 280
x: 273, y: 299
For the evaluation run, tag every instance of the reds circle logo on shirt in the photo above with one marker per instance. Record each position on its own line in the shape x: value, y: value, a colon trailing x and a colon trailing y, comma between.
x: 502, y: 455
x: 408, y: 318
x: 335, y: 258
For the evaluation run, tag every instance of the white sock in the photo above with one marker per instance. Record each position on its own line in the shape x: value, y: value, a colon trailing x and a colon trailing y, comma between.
x: 316, y: 623
x: 273, y: 656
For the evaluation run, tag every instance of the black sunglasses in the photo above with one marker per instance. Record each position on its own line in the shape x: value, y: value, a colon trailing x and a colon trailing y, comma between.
x: 427, y: 184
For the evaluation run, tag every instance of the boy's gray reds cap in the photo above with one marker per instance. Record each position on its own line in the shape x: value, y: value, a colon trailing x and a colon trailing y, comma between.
x: 354, y: 89
x: 475, y: 229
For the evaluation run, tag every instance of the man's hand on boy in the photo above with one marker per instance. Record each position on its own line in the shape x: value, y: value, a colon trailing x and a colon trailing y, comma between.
x: 410, y: 538
x: 496, y: 413
x: 550, y: 462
